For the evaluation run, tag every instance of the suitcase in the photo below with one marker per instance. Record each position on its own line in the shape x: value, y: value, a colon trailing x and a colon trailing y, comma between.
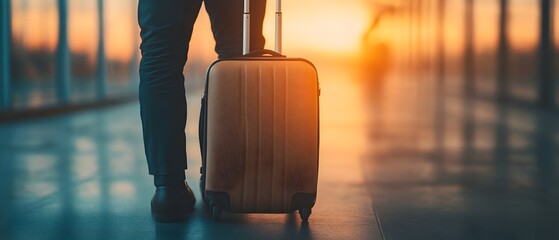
x: 259, y: 132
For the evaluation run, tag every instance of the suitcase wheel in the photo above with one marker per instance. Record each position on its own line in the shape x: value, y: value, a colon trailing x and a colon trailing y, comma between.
x: 305, y: 213
x: 216, y: 212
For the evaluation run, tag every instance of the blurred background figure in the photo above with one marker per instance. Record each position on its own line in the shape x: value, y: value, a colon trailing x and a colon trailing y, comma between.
x: 375, y: 62
x: 375, y: 54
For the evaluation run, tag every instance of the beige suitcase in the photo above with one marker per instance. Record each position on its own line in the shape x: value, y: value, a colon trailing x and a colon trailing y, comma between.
x: 259, y: 132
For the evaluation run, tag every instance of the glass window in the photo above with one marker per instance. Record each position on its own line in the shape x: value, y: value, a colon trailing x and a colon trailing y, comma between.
x: 34, y: 39
x: 121, y: 45
x: 486, y: 17
x: 523, y: 37
x: 83, y: 32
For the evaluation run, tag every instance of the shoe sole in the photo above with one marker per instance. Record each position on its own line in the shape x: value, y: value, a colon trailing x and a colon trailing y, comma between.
x: 171, y: 217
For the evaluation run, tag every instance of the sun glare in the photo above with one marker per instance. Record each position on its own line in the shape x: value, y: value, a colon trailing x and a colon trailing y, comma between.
x: 319, y: 26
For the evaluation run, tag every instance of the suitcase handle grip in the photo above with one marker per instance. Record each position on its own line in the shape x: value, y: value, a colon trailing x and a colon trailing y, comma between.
x: 262, y: 53
x: 246, y: 27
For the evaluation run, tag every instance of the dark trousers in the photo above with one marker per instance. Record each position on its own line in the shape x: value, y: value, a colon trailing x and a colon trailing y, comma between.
x: 166, y: 29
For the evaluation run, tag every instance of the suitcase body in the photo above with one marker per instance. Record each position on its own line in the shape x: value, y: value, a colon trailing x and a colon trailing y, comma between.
x: 259, y: 136
x: 259, y: 131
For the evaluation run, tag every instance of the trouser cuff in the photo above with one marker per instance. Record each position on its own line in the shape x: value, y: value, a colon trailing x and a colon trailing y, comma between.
x: 169, y: 179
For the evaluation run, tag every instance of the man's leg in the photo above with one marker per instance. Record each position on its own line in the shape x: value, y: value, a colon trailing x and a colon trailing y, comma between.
x: 226, y: 17
x: 166, y: 28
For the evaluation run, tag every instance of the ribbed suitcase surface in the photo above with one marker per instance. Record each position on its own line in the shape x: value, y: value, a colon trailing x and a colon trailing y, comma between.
x: 262, y: 133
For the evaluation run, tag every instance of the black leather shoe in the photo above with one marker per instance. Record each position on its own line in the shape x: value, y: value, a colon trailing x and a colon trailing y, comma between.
x: 172, y: 203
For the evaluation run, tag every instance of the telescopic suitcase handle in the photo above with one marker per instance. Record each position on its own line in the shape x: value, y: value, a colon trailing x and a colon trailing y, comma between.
x: 246, y: 27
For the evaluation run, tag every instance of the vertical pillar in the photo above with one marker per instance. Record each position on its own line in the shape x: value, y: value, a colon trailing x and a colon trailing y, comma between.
x: 6, y: 155
x: 545, y: 126
x: 546, y: 84
x: 502, y: 54
x: 501, y: 163
x: 440, y: 120
x: 469, y: 79
x: 63, y: 55
x: 441, y: 6
x: 440, y: 73
x: 419, y: 41
x: 133, y: 75
x: 468, y: 91
x: 411, y: 29
x: 5, y: 45
x: 101, y: 62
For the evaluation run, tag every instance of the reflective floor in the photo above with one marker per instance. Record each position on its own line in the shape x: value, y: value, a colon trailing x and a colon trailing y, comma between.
x: 401, y: 162
x: 444, y: 167
x: 84, y: 176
